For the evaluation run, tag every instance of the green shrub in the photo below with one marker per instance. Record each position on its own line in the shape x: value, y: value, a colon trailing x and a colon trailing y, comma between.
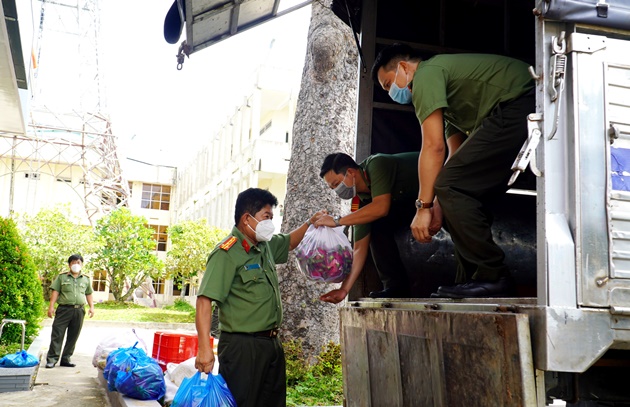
x: 328, y: 361
x: 21, y: 294
x: 180, y: 305
x: 297, y: 366
x: 317, y: 385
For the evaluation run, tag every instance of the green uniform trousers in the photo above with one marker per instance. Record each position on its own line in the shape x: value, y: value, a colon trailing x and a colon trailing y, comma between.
x: 383, y: 246
x: 473, y: 179
x: 70, y: 319
x: 254, y: 369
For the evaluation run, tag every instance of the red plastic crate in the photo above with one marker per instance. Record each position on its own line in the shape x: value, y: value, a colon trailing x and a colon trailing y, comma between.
x: 174, y: 347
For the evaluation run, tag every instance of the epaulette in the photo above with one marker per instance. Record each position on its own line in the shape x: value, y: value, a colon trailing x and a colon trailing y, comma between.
x: 354, y: 206
x: 228, y: 243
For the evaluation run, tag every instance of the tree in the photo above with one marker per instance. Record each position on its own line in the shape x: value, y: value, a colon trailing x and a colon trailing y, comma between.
x: 191, y: 243
x: 325, y: 123
x: 20, y: 289
x: 52, y: 236
x: 125, y: 252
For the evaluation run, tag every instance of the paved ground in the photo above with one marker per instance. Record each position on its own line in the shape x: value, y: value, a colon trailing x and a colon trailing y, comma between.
x: 77, y: 386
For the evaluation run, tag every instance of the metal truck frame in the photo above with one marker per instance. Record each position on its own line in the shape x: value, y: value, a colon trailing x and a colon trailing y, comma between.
x: 568, y: 336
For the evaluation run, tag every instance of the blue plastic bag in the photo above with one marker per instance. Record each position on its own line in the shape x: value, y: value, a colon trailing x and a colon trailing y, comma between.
x: 121, y: 359
x: 197, y: 392
x: 184, y: 396
x: 145, y: 380
x: 218, y: 393
x: 19, y: 359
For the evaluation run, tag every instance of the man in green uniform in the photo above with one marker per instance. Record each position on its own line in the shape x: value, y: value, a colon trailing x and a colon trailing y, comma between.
x: 72, y: 290
x: 383, y: 188
x: 241, y: 279
x: 480, y: 103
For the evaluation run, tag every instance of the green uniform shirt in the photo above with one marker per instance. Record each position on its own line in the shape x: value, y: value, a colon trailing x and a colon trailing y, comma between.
x: 468, y: 87
x: 241, y: 278
x: 72, y: 291
x: 395, y: 174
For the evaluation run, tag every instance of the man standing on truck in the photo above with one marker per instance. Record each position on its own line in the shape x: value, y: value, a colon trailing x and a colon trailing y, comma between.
x: 479, y: 103
x: 383, y: 188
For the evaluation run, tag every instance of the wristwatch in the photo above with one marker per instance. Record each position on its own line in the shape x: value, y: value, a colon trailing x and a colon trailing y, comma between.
x: 336, y: 219
x: 420, y: 204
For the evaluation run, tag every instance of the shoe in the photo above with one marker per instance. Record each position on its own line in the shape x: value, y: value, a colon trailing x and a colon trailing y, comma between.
x: 50, y: 365
x: 503, y: 287
x: 390, y: 293
x: 67, y: 364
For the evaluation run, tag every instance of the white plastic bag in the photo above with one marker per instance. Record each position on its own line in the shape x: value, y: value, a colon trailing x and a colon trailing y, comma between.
x: 110, y: 343
x: 179, y: 371
x: 324, y: 254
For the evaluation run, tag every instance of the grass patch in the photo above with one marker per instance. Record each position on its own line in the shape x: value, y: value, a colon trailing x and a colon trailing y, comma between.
x: 129, y: 312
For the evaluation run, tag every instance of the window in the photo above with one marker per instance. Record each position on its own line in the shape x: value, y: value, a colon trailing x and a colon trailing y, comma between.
x: 158, y: 286
x: 160, y: 235
x: 178, y: 287
x: 99, y: 281
x: 156, y: 197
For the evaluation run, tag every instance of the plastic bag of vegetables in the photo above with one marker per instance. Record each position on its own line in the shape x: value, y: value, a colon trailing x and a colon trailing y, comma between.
x: 324, y: 254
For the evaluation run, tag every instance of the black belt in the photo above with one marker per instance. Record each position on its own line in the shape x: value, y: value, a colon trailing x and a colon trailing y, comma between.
x: 72, y: 306
x: 270, y: 333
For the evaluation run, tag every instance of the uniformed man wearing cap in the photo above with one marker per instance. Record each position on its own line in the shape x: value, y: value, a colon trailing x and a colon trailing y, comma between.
x: 241, y: 279
x: 72, y: 290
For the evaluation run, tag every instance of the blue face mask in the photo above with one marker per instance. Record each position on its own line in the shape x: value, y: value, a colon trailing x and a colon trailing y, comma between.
x: 399, y: 95
x: 344, y: 191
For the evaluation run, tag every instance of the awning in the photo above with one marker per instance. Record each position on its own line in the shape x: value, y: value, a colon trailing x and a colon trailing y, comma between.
x: 210, y: 21
x: 12, y: 71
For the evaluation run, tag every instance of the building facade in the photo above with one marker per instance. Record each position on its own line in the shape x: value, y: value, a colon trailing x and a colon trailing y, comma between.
x: 251, y: 149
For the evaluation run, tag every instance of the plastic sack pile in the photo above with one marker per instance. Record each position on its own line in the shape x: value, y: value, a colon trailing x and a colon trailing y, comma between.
x: 19, y: 359
x: 325, y: 254
x: 132, y: 373
x: 109, y: 344
x: 198, y: 392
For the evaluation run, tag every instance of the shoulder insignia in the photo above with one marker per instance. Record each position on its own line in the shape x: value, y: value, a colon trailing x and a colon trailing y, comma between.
x: 227, y: 244
x: 354, y: 206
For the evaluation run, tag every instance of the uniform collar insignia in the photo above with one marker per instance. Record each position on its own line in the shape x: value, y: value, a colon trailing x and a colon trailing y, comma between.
x: 246, y: 245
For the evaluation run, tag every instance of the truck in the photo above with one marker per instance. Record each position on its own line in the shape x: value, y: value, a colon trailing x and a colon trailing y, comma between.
x: 564, y: 225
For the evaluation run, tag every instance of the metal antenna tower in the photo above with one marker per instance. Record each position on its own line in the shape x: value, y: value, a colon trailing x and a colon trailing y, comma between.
x: 69, y: 128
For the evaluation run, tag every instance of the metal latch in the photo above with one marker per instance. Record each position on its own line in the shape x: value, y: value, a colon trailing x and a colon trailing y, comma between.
x: 602, y: 9
x: 527, y: 154
x: 613, y: 133
x: 558, y: 70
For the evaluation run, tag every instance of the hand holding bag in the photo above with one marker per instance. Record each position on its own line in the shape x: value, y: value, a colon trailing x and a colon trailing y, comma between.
x: 324, y: 254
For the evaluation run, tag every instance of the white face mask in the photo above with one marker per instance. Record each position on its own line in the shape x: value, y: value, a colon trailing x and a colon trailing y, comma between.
x: 264, y: 230
x: 75, y: 268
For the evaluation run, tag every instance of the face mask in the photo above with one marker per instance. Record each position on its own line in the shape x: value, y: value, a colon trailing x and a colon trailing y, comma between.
x: 75, y: 268
x: 264, y: 230
x: 344, y: 191
x: 399, y: 95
